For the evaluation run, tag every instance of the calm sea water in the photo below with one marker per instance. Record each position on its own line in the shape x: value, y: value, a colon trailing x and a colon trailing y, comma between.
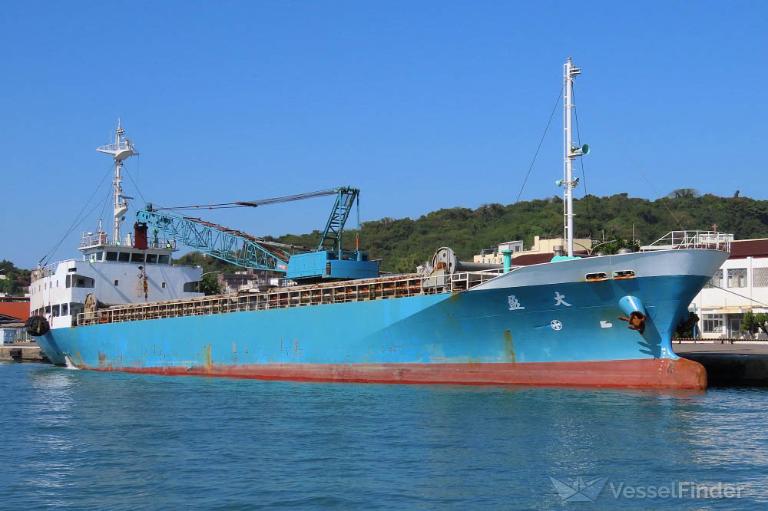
x: 83, y: 440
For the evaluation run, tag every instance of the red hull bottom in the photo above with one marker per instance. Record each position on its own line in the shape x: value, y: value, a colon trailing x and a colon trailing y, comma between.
x: 645, y: 374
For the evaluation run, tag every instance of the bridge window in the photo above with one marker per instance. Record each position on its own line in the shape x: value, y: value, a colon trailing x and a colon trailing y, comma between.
x: 163, y: 259
x: 76, y: 308
x: 124, y: 257
x: 65, y: 309
x: 111, y: 256
x: 55, y: 311
x: 137, y: 257
x: 152, y: 258
x: 191, y: 287
x: 78, y: 281
x: 81, y: 281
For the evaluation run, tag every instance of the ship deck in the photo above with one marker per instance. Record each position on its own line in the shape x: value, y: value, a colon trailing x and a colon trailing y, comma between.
x: 381, y: 288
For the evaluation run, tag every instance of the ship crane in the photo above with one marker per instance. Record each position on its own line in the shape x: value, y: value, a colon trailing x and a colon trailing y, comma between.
x: 329, y: 261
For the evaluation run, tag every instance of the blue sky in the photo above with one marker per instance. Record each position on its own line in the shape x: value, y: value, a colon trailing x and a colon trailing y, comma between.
x: 423, y: 105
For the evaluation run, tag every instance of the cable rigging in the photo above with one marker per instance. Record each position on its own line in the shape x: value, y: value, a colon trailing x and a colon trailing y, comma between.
x: 79, y: 218
x: 254, y: 203
x: 581, y: 160
x: 541, y: 141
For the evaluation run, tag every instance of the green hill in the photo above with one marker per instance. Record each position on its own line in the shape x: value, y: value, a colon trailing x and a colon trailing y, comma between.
x: 404, y: 243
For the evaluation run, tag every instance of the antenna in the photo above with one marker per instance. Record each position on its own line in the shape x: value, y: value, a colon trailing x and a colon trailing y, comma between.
x: 121, y: 150
x: 570, y: 152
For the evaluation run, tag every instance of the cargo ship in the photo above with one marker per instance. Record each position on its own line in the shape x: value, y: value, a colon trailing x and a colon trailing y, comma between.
x: 603, y: 321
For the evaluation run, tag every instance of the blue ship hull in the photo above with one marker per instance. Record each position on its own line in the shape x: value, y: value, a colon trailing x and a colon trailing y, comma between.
x: 562, y: 333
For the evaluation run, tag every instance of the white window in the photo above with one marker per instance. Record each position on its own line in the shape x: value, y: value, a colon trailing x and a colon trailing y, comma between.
x: 760, y: 277
x: 713, y: 324
x: 737, y: 277
x: 82, y: 281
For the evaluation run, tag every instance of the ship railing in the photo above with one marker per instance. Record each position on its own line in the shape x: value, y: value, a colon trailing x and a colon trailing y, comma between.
x: 678, y: 240
x: 99, y: 239
x: 89, y: 239
x: 43, y: 271
x: 400, y: 286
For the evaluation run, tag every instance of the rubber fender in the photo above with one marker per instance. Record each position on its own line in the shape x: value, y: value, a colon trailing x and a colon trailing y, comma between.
x: 37, y: 326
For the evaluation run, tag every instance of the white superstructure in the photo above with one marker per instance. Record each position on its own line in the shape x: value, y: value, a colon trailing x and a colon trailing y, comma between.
x: 136, y: 269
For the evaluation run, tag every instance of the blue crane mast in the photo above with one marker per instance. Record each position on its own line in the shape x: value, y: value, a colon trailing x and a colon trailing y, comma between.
x: 346, y: 198
x: 328, y: 262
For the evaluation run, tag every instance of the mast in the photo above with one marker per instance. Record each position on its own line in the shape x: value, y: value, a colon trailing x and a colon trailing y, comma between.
x: 570, y: 152
x: 121, y: 150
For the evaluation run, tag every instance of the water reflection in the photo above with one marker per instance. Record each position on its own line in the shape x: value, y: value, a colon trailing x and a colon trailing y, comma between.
x: 93, y: 439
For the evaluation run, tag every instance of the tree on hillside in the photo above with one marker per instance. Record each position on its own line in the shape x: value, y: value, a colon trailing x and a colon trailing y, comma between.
x: 403, y: 243
x: 684, y: 193
x: 13, y: 280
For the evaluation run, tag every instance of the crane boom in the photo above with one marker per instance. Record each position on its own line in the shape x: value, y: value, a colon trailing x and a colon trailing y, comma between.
x: 328, y: 262
x: 229, y: 245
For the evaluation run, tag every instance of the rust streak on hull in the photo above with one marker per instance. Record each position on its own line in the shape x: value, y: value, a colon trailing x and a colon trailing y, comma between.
x: 639, y: 374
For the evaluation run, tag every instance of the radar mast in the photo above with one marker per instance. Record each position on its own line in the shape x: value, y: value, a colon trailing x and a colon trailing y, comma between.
x: 120, y: 150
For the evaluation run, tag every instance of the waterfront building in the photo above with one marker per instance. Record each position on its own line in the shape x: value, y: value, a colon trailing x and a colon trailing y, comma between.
x: 246, y: 280
x: 14, y: 311
x: 739, y: 286
x: 542, y: 251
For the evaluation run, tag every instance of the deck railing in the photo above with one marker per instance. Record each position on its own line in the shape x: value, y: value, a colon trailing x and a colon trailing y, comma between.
x: 400, y: 286
x: 89, y: 239
x: 43, y: 271
x: 692, y: 239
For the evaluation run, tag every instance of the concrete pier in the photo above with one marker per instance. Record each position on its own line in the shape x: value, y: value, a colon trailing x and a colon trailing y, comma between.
x: 29, y: 352
x: 729, y: 365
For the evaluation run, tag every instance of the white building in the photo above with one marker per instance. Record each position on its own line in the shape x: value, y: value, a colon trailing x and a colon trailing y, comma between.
x: 739, y: 286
